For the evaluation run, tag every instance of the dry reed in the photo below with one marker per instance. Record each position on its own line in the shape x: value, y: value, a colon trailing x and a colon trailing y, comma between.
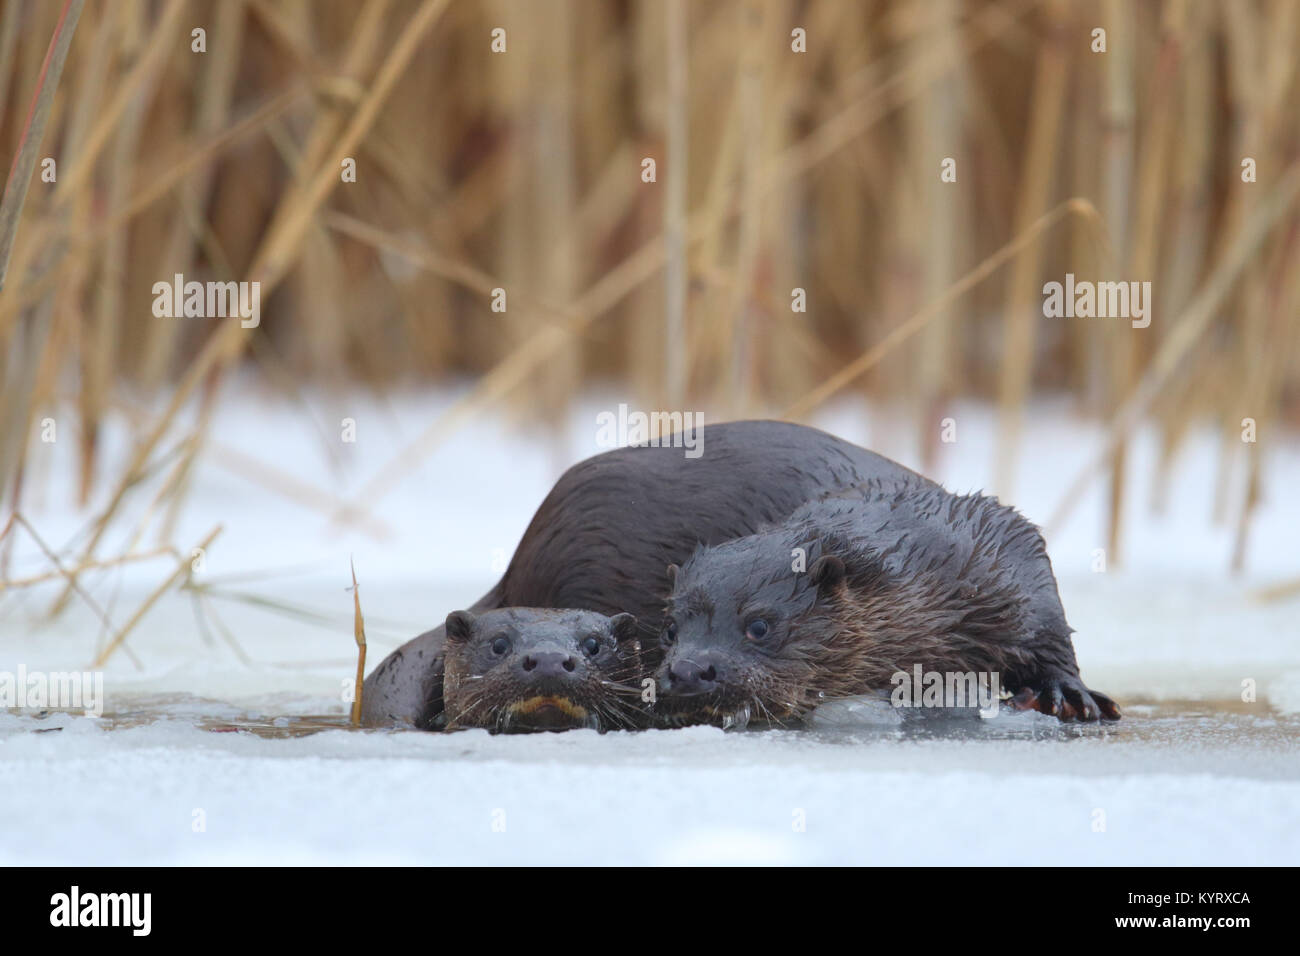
x: 521, y: 170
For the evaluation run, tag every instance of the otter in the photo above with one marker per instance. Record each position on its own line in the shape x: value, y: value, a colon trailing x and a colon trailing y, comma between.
x: 533, y: 669
x: 898, y: 573
x: 602, y: 536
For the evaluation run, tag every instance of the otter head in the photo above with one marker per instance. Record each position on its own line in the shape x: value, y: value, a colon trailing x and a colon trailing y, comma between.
x: 530, y: 669
x: 738, y: 635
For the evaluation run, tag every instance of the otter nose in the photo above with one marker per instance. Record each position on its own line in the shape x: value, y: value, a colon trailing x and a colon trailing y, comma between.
x: 687, y: 677
x: 549, y: 664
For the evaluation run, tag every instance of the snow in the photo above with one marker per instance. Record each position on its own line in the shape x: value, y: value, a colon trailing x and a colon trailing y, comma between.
x: 1192, y: 775
x: 687, y: 796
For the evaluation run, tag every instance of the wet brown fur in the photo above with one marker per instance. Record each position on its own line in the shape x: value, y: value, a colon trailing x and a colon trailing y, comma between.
x: 601, y: 538
x: 899, y: 574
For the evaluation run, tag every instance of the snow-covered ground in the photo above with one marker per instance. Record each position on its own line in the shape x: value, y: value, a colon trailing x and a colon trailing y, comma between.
x: 1192, y: 775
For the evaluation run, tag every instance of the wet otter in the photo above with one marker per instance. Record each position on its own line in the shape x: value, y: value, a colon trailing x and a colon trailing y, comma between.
x: 602, y: 536
x: 899, y: 573
x: 529, y: 669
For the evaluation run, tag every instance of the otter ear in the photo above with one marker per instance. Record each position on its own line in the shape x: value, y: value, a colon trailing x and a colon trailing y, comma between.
x: 673, y: 571
x: 460, y: 625
x: 826, y: 572
x: 623, y: 627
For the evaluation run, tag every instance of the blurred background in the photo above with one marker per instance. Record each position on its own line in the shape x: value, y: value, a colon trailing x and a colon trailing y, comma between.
x: 797, y: 148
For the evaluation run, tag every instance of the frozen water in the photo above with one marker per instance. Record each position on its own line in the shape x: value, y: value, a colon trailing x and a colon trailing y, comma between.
x: 249, y: 741
x: 1174, y: 784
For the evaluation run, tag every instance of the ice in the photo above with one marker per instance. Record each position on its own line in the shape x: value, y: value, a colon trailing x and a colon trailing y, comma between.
x: 1194, y: 774
x: 1212, y: 789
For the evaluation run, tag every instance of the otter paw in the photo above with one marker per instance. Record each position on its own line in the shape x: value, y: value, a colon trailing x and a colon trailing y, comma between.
x: 1067, y: 699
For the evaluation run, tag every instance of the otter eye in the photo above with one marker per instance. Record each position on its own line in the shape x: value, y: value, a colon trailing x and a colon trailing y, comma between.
x: 590, y: 647
x: 500, y: 645
x: 757, y: 630
x: 670, y: 632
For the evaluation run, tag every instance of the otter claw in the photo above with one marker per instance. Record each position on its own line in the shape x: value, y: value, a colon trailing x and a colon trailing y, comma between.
x: 1067, y: 699
x: 1024, y: 700
x: 1109, y: 709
